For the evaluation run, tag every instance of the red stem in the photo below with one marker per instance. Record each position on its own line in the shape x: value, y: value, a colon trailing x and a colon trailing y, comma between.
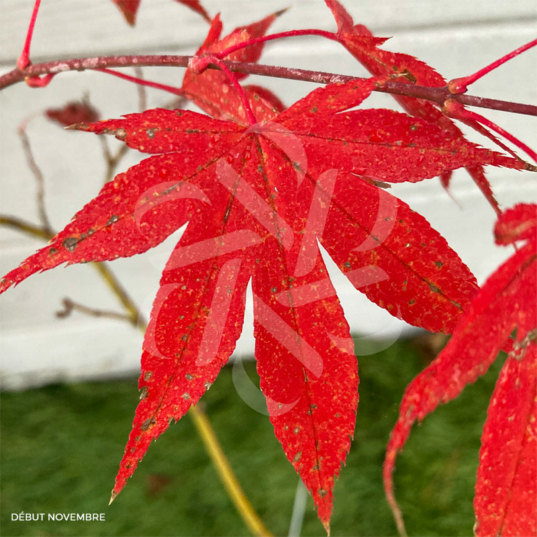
x: 142, y: 82
x: 24, y: 58
x: 454, y: 109
x: 39, y: 81
x: 233, y: 79
x: 438, y: 95
x: 460, y: 85
x: 292, y: 33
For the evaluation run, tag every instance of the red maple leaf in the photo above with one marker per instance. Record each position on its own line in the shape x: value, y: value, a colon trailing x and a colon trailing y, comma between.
x: 212, y: 91
x: 259, y: 199
x: 360, y: 42
x: 73, y: 112
x: 506, y: 485
x: 129, y: 8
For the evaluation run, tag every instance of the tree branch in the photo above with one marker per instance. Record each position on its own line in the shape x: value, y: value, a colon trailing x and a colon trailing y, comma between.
x: 39, y: 178
x: 438, y: 95
x: 70, y: 305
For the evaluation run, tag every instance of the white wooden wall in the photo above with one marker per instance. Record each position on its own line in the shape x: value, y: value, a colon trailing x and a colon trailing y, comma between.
x: 456, y: 37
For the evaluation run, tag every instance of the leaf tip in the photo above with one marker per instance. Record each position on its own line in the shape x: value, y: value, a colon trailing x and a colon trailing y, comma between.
x: 398, y: 516
x: 281, y: 11
x: 5, y: 284
x: 113, y: 496
x: 76, y: 127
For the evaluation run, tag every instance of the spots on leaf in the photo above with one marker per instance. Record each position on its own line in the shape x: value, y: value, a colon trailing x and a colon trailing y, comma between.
x: 433, y: 288
x: 113, y: 219
x: 147, y: 424
x: 70, y: 243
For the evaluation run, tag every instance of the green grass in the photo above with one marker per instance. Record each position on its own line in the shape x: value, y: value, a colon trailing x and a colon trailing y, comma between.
x: 61, y: 446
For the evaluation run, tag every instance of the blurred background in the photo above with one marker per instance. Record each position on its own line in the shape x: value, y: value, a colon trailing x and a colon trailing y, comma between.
x: 69, y: 385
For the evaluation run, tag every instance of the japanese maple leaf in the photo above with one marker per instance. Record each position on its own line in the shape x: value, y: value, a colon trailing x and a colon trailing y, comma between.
x: 259, y: 199
x: 73, y: 112
x: 129, y: 8
x: 506, y: 485
x: 360, y: 42
x: 211, y: 89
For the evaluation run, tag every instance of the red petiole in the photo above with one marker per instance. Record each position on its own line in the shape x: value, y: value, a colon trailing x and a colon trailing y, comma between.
x: 201, y: 62
x: 456, y: 110
x: 460, y: 85
x: 293, y: 33
x: 142, y: 82
x: 24, y: 58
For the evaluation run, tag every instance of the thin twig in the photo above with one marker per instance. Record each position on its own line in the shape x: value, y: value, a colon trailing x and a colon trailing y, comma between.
x: 39, y: 178
x: 112, y: 160
x: 174, y: 103
x: 28, y: 228
x: 438, y: 95
x: 113, y: 283
x: 70, y: 305
x: 107, y: 154
x: 142, y: 93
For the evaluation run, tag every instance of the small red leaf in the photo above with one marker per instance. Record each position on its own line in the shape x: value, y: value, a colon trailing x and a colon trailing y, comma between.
x: 195, y: 5
x: 73, y: 112
x: 212, y: 91
x: 129, y: 8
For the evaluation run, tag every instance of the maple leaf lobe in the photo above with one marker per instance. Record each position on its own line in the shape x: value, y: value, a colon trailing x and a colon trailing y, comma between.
x: 507, y: 458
